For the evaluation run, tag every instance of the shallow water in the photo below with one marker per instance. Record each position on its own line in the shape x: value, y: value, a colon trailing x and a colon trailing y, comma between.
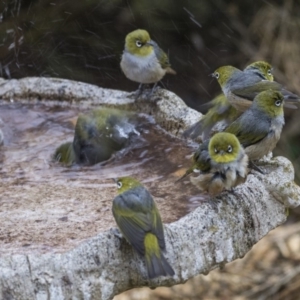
x: 46, y: 206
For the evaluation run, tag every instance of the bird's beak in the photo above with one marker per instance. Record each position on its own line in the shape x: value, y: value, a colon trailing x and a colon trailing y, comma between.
x: 115, y: 180
x: 151, y: 43
x: 222, y: 152
x: 212, y: 75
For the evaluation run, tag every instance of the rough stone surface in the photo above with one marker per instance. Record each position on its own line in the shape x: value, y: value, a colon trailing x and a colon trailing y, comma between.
x: 210, y: 236
x: 170, y: 112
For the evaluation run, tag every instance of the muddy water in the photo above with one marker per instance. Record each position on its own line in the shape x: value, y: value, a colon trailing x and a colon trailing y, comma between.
x: 49, y: 207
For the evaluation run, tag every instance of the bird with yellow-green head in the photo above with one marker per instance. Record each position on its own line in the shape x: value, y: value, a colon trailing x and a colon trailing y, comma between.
x: 221, y: 112
x: 143, y: 60
x: 241, y: 87
x: 99, y: 134
x: 65, y: 154
x: 259, y: 128
x: 223, y: 164
x: 139, y: 220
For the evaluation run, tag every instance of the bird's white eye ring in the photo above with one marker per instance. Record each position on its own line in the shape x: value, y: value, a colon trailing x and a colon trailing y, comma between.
x: 119, y: 184
x: 229, y: 149
x: 278, y: 103
x: 138, y: 44
x: 269, y: 72
x: 216, y: 150
x: 217, y: 75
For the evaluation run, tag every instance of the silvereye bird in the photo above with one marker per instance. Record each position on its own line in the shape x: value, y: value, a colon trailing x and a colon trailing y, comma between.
x: 65, y: 154
x: 139, y: 221
x: 221, y: 110
x: 142, y: 60
x: 101, y: 133
x: 258, y: 128
x: 240, y: 87
x: 228, y: 165
x: 260, y: 68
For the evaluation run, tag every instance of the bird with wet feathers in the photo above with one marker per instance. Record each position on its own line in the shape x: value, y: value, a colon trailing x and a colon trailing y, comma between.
x: 99, y: 134
x: 222, y: 164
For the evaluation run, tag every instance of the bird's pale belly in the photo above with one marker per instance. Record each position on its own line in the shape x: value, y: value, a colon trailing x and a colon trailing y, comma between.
x: 262, y: 148
x: 142, y: 70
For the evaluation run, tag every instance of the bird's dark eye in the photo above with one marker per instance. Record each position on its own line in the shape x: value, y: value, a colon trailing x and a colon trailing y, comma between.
x: 138, y: 44
x: 216, y: 150
x: 278, y: 103
x: 269, y: 72
x: 119, y: 184
x: 229, y: 149
x: 216, y: 75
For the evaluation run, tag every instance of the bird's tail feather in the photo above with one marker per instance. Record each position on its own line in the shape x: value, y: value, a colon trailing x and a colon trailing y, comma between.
x: 194, y: 131
x: 156, y: 263
x: 171, y: 71
x: 158, y: 266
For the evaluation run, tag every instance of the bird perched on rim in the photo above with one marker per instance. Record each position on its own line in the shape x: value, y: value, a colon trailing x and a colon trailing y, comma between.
x: 220, y: 108
x: 221, y: 111
x: 228, y: 165
x: 258, y: 128
x: 261, y: 69
x: 139, y: 221
x: 240, y: 87
x: 143, y: 60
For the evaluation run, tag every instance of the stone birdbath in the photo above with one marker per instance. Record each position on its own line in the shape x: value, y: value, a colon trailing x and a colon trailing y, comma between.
x: 56, y: 237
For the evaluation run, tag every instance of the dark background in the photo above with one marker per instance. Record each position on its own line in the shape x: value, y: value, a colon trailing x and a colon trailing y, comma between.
x: 83, y: 40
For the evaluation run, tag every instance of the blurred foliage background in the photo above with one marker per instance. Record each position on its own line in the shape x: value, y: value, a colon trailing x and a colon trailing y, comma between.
x: 83, y: 40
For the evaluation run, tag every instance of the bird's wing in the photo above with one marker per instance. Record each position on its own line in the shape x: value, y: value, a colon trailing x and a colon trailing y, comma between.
x: 194, y: 131
x: 155, y: 218
x: 201, y: 157
x: 161, y: 56
x: 249, y: 92
x: 157, y: 228
x: 135, y: 215
x: 289, y: 96
x: 248, y: 129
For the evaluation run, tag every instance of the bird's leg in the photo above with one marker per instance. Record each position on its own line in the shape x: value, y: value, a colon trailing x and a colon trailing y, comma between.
x: 139, y: 91
x: 214, y: 203
x: 232, y: 190
x: 153, y: 89
x: 253, y: 166
x: 117, y: 233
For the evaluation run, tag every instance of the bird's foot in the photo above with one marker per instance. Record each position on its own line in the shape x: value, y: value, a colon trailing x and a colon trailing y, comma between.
x: 253, y: 166
x: 139, y: 91
x: 117, y: 233
x: 152, y: 94
x: 214, y: 203
x: 232, y: 191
